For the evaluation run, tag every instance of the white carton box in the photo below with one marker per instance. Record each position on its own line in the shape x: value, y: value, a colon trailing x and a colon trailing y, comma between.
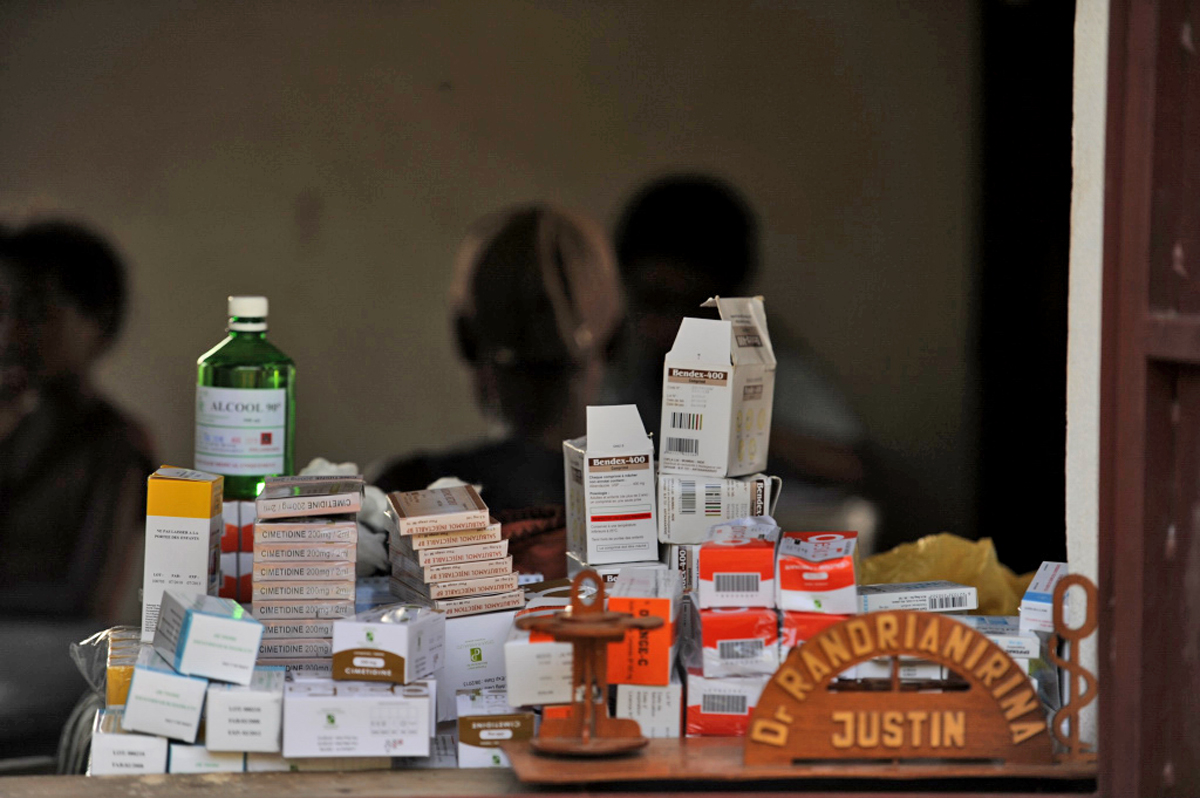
x: 207, y: 636
x: 910, y: 671
x: 474, y: 657
x: 162, y: 701
x: 186, y: 758
x: 718, y: 391
x: 1005, y: 632
x: 739, y: 641
x: 684, y: 558
x: 485, y: 720
x: 688, y: 506
x: 324, y: 718
x: 721, y: 707
x: 116, y: 752
x: 537, y: 667
x: 934, y: 596
x: 608, y: 572
x: 657, y: 709
x: 246, y: 718
x: 609, y: 478
x: 393, y: 643
x: 1037, y: 605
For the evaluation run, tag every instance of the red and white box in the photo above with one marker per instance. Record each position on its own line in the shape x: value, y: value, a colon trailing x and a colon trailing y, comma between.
x: 737, y: 566
x: 739, y: 641
x: 721, y: 707
x: 645, y: 656
x: 816, y: 572
x: 799, y: 627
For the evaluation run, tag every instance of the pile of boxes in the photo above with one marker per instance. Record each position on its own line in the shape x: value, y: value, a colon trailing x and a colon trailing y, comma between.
x: 305, y: 550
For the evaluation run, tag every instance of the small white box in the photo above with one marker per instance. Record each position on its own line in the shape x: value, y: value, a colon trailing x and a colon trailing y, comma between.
x: 162, y: 701
x: 657, y: 709
x: 689, y: 505
x: 934, y: 596
x: 207, y: 636
x: 117, y: 752
x: 910, y: 671
x: 474, y: 658
x: 246, y: 718
x: 324, y: 718
x: 185, y: 758
x: 1037, y: 605
x: 485, y: 720
x: 1006, y: 633
x: 538, y: 667
x: 718, y: 392
x: 609, y: 477
x: 721, y: 707
x: 684, y: 557
x: 394, y: 643
x: 608, y: 572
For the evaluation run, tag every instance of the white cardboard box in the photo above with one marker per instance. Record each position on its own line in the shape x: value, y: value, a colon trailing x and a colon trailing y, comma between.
x: 815, y: 572
x: 1037, y: 605
x: 324, y: 718
x: 537, y: 667
x: 246, y: 718
x: 933, y: 596
x: 485, y: 720
x: 721, y: 707
x: 185, y: 758
x: 393, y: 643
x: 162, y: 701
x: 608, y: 572
x: 474, y: 657
x: 739, y: 641
x: 657, y: 709
x: 116, y: 752
x: 609, y: 477
x: 207, y: 636
x: 689, y: 505
x: 718, y: 392
x: 1005, y: 632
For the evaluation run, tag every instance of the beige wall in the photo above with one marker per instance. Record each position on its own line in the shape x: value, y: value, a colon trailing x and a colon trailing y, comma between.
x: 330, y: 155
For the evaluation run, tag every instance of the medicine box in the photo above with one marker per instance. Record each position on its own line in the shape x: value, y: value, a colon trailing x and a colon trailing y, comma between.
x: 184, y: 522
x: 117, y: 752
x: 325, y: 718
x: 246, y: 718
x: 796, y: 628
x: 609, y: 479
x: 485, y: 721
x: 721, y: 707
x: 739, y: 641
x: 207, y: 636
x: 537, y: 667
x: 718, y: 392
x: 645, y: 656
x: 1006, y: 633
x: 185, y: 758
x: 452, y: 509
x: 474, y: 658
x: 1037, y: 605
x: 393, y: 643
x: 287, y: 497
x: 688, y: 506
x: 608, y: 572
x: 162, y: 701
x: 657, y: 709
x: 932, y: 596
x: 737, y: 566
x: 816, y: 572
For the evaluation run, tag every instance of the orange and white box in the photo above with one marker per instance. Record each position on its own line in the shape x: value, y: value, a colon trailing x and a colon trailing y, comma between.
x: 645, y: 656
x: 739, y: 641
x: 816, y: 572
x: 721, y: 707
x: 247, y: 515
x: 798, y: 627
x: 737, y: 566
x: 537, y: 667
x: 231, y: 534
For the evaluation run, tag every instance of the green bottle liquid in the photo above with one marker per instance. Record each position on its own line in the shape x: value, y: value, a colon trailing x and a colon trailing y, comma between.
x: 245, y: 404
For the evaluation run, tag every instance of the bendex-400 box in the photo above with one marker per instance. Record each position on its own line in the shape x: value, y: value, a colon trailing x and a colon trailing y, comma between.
x: 718, y: 392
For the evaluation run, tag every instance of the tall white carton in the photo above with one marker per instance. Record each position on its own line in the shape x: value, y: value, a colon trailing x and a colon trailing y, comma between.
x: 609, y: 478
x: 718, y: 391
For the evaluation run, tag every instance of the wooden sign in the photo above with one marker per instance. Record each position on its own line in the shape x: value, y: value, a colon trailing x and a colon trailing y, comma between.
x: 1082, y: 687
x: 800, y: 718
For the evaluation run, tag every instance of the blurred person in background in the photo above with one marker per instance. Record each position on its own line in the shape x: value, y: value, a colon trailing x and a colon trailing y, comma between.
x: 536, y: 304
x: 72, y: 466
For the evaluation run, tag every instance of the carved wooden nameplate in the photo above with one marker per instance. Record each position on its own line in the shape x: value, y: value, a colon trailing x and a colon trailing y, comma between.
x: 997, y: 717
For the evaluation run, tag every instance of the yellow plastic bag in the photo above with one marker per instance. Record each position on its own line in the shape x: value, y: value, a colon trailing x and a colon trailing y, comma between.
x: 950, y: 557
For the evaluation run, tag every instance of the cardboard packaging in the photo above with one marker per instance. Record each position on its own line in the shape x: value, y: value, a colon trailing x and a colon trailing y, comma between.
x: 185, y: 758
x: 117, y: 752
x: 797, y: 627
x: 458, y: 555
x: 607, y: 572
x: 645, y: 656
x: 247, y: 516
x: 295, y: 647
x: 395, y: 643
x: 183, y: 537
x: 429, y: 541
x: 737, y: 565
x: 609, y: 476
x: 283, y: 497
x: 474, y: 656
x: 932, y: 596
x: 245, y: 567
x: 230, y: 580
x: 305, y: 552
x: 816, y: 572
x: 302, y: 668
x: 246, y: 718
x: 162, y: 701
x: 718, y: 392
x: 306, y: 530
x: 537, y: 667
x: 739, y: 641
x: 295, y: 590
x: 475, y: 569
x: 721, y: 707
x: 459, y: 588
x: 302, y: 609
x: 688, y: 506
x: 230, y: 531
x: 301, y: 628
x: 304, y: 572
x: 441, y: 510
x: 1037, y: 605
x: 684, y: 557
x: 485, y: 720
x: 207, y: 636
x: 658, y: 710
x: 910, y: 670
x: 1005, y: 632
x: 324, y: 718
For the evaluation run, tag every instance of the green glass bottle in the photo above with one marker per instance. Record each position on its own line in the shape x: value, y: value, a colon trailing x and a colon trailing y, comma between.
x: 245, y: 404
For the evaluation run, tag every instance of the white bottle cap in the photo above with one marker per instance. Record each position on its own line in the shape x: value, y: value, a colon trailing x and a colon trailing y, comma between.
x: 248, y: 307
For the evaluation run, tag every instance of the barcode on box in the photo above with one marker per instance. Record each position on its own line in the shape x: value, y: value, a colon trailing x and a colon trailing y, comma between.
x: 687, y: 498
x: 741, y: 650
x: 723, y: 704
x: 952, y: 601
x: 712, y: 500
x: 683, y: 445
x: 693, y: 421
x: 736, y: 583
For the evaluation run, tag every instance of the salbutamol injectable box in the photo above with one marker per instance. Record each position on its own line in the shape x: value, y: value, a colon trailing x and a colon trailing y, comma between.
x: 688, y: 506
x: 440, y: 510
x: 246, y: 718
x: 1037, y: 605
x: 326, y: 718
x: 162, y: 701
x: 932, y: 596
x: 117, y: 752
x: 184, y: 522
x: 718, y: 392
x: 207, y: 636
x: 609, y: 479
x: 815, y: 572
x: 396, y: 643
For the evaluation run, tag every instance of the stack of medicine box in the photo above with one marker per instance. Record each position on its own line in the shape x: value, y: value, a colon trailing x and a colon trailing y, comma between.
x: 447, y: 552
x: 305, y: 549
